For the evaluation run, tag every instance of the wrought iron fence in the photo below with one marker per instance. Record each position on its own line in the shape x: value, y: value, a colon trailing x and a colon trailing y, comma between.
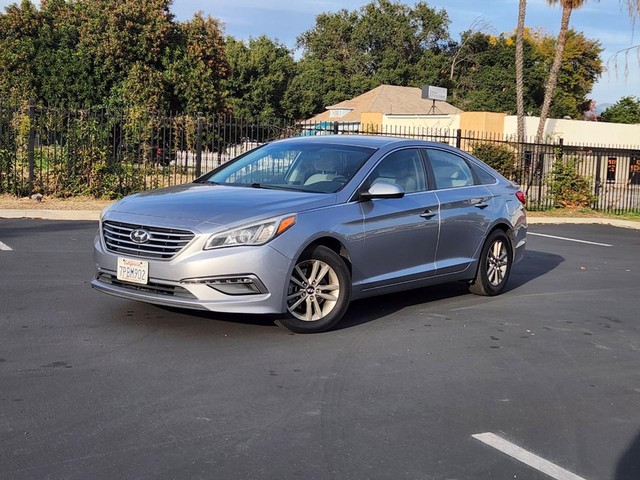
x: 111, y: 154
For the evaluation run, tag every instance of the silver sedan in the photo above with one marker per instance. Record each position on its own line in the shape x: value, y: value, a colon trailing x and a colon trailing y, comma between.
x: 300, y: 227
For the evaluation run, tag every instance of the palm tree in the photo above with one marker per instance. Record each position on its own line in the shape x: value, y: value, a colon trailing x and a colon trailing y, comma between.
x: 522, y: 11
x: 567, y: 8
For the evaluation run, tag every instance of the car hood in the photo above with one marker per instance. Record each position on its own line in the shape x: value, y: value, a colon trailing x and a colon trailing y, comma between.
x: 216, y: 204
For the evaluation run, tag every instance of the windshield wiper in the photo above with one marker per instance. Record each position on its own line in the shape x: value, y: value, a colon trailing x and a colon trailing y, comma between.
x: 272, y: 187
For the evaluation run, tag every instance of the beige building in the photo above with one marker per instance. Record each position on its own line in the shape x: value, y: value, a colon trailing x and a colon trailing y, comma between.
x: 397, y: 110
x: 389, y: 105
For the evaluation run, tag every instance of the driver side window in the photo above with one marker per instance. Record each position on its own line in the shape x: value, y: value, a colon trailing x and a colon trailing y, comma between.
x: 403, y: 168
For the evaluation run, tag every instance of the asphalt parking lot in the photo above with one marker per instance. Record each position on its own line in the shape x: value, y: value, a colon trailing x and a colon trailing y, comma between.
x: 541, y: 382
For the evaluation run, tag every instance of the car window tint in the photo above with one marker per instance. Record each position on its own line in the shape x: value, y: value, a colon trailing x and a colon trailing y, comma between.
x: 450, y: 170
x: 403, y: 168
x: 485, y: 177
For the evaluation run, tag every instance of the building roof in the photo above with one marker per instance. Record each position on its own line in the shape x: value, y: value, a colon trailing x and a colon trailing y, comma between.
x: 388, y: 100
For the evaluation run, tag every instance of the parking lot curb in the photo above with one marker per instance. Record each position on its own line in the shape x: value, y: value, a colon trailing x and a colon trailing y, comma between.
x: 94, y: 215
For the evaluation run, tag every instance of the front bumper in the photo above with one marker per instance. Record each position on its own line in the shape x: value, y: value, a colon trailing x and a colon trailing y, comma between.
x: 189, y: 280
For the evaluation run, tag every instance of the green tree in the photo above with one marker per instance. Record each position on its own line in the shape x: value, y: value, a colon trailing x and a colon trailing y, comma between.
x: 625, y: 110
x: 581, y: 66
x: 485, y: 77
x: 123, y: 42
x: 114, y: 53
x: 195, y: 66
x: 260, y: 73
x: 350, y: 52
x: 20, y: 46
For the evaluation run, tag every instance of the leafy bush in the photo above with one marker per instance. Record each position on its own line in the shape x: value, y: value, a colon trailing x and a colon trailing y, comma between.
x: 567, y: 188
x: 499, y: 157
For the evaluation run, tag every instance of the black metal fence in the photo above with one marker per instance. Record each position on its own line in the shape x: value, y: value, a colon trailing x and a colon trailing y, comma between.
x: 111, y: 154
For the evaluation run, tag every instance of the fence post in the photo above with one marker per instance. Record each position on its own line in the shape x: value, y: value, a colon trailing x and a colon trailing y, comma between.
x: 336, y: 126
x: 458, y: 138
x: 31, y: 160
x: 199, y: 146
x: 560, y: 148
x: 598, y: 182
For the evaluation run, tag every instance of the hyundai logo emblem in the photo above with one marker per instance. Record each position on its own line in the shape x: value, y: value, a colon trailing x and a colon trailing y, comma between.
x: 140, y: 236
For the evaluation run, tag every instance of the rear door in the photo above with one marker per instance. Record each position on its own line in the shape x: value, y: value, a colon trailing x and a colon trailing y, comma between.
x: 466, y: 210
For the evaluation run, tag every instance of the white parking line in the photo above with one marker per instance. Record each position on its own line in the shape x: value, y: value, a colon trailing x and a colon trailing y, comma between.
x: 569, y: 239
x: 4, y: 246
x: 526, y: 457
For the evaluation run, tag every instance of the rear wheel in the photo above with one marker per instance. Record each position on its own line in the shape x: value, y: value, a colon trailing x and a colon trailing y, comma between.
x: 318, y: 291
x: 494, y: 265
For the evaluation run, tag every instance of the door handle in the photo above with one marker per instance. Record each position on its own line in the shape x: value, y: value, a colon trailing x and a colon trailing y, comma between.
x: 428, y: 214
x: 480, y: 203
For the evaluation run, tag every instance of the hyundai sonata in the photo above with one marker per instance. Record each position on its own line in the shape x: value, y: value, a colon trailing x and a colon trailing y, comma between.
x: 300, y: 227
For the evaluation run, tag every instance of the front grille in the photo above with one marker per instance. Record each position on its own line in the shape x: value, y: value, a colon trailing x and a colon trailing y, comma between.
x: 154, y: 288
x: 163, y: 243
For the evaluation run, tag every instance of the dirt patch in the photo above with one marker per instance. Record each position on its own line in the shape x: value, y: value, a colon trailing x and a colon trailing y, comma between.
x: 582, y: 213
x: 51, y: 203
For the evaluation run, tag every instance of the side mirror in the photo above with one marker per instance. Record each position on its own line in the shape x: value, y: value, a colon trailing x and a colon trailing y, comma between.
x: 382, y: 190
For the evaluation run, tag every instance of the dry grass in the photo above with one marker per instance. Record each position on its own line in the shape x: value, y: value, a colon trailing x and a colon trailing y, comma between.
x: 582, y: 213
x: 51, y: 203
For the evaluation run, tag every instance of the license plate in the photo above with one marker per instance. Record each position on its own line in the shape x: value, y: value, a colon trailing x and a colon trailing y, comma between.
x: 134, y: 271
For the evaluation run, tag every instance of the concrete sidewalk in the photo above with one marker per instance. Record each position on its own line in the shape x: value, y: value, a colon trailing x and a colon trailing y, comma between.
x: 94, y: 215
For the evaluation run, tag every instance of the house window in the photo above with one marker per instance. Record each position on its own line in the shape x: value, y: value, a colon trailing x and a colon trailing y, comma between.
x: 612, y: 164
x: 634, y: 171
x: 338, y: 112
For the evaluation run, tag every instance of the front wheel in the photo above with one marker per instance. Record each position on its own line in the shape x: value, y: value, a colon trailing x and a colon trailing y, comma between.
x: 494, y: 265
x: 318, y: 291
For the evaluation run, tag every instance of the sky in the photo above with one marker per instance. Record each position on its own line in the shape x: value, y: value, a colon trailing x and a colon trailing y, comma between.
x: 607, y: 20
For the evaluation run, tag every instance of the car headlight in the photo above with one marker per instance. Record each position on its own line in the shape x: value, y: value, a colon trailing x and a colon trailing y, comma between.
x: 254, y: 234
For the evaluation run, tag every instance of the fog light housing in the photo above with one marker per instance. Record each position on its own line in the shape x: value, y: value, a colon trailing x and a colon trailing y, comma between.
x: 237, y: 285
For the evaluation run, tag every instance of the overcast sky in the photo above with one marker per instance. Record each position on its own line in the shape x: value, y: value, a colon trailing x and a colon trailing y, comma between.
x: 284, y: 20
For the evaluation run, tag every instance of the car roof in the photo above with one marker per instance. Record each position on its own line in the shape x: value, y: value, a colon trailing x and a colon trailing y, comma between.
x: 371, y: 141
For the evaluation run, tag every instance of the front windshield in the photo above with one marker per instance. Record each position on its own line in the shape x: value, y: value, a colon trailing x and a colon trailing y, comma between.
x: 300, y: 166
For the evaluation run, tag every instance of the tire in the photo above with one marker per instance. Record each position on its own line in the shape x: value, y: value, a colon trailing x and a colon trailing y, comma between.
x: 494, y: 265
x: 318, y: 292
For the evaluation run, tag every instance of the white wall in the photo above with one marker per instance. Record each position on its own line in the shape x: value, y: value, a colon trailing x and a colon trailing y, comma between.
x: 446, y: 122
x: 579, y: 131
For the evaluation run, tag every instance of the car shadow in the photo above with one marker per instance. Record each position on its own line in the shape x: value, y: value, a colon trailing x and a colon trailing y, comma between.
x: 534, y: 265
x: 235, y: 318
x: 628, y: 467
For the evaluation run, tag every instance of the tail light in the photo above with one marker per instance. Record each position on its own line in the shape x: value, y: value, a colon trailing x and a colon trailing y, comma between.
x: 522, y: 197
